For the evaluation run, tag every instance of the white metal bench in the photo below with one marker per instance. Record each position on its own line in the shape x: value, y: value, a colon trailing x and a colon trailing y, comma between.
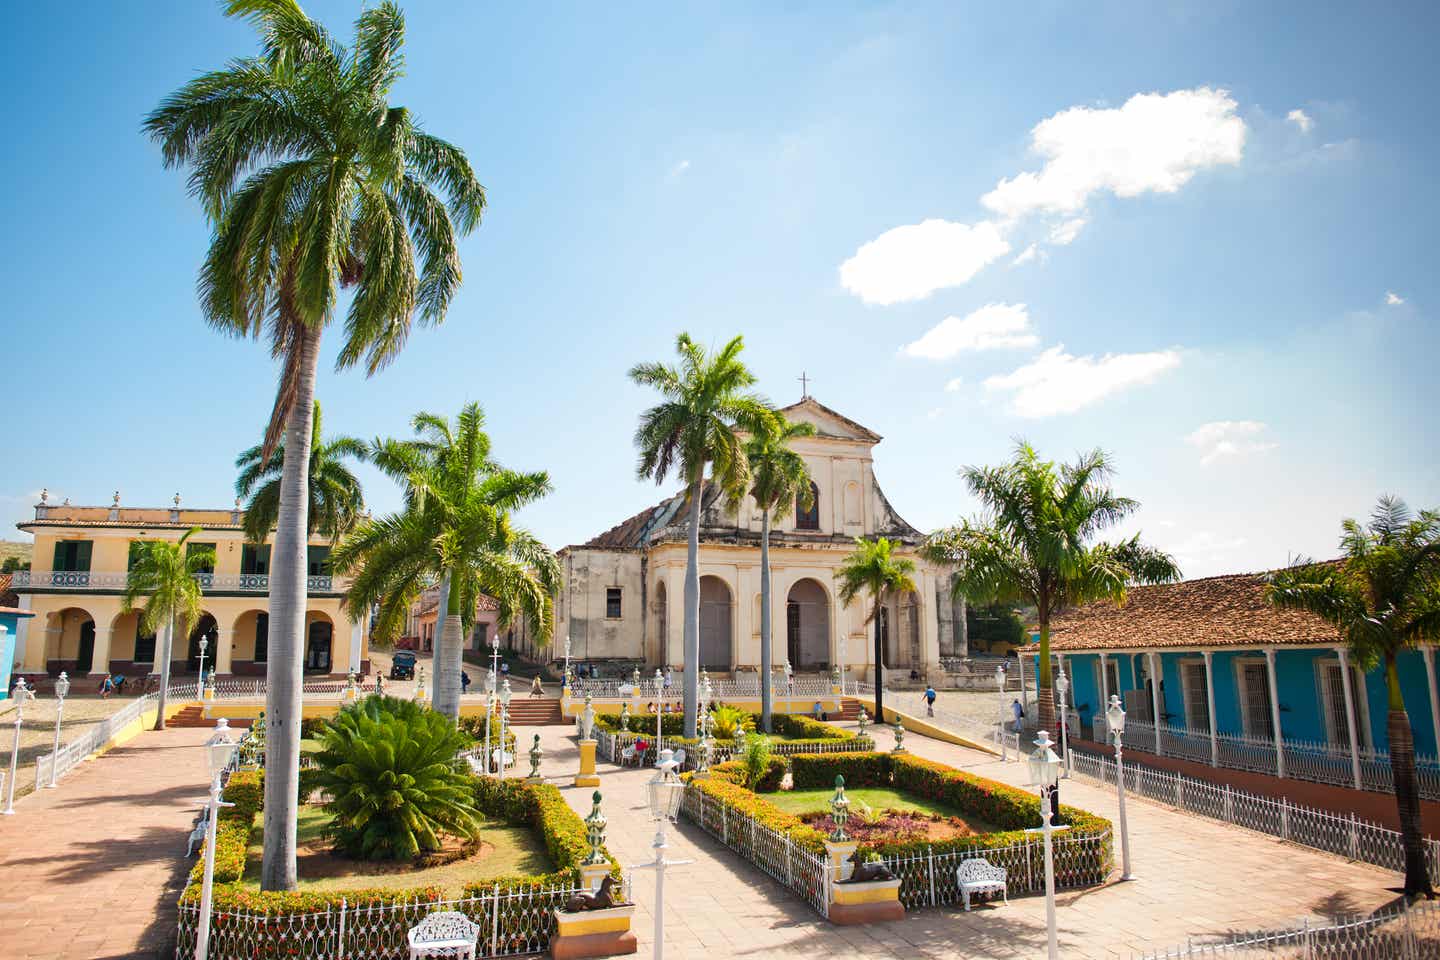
x: 445, y: 934
x: 979, y: 876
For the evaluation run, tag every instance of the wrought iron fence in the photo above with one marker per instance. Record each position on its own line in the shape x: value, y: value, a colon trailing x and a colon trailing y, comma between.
x: 804, y: 873
x: 91, y: 739
x: 512, y: 922
x: 928, y: 880
x: 747, y: 687
x: 1396, y: 933
x: 117, y: 580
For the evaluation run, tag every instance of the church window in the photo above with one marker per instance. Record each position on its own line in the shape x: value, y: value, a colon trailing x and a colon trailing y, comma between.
x: 612, y: 603
x: 808, y: 519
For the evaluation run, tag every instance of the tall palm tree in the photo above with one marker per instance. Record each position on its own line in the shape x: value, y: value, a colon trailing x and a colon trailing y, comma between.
x: 698, y: 424
x: 778, y: 478
x: 164, y: 579
x: 876, y: 569
x: 335, y: 501
x: 1035, y: 543
x: 313, y: 182
x: 456, y: 526
x: 1383, y: 595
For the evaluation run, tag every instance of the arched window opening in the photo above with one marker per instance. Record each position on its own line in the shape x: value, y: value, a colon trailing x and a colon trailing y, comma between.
x: 808, y: 519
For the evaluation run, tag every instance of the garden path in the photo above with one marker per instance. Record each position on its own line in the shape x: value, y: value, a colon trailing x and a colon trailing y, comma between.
x: 1197, y: 879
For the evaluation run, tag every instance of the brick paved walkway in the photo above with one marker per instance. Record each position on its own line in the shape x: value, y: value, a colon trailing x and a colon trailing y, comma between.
x: 92, y: 868
x: 1197, y: 879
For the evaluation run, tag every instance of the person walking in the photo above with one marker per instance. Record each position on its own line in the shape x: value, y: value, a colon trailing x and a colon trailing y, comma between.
x: 1019, y: 713
x: 537, y: 689
x: 929, y: 701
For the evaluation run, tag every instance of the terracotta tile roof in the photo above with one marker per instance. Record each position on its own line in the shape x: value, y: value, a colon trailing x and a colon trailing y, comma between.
x: 18, y: 610
x: 1224, y: 611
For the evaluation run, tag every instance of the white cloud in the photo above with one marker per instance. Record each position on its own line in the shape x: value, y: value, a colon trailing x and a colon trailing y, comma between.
x: 1228, y: 438
x: 1393, y: 299
x: 913, y: 261
x: 1028, y: 254
x: 1056, y: 382
x: 679, y: 168
x: 1301, y: 119
x: 1155, y: 143
x: 1064, y: 234
x: 995, y: 326
x: 953, y: 385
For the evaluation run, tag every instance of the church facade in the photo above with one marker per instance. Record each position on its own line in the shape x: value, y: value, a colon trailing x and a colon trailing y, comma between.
x: 622, y: 599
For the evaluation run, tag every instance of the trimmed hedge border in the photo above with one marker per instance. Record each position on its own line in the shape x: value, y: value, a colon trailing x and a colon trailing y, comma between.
x: 733, y: 771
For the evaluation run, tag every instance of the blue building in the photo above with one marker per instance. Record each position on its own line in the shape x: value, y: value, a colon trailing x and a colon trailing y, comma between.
x: 10, y: 618
x: 1241, y: 684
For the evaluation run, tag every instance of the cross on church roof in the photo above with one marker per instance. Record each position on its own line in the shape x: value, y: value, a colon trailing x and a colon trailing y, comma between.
x: 804, y: 385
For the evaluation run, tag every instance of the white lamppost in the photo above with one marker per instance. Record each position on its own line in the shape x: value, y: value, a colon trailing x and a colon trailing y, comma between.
x: 218, y: 751
x: 495, y: 654
x: 62, y: 687
x: 1062, y: 687
x: 1004, y: 713
x: 200, y: 687
x: 567, y: 662
x: 22, y: 695
x: 666, y: 793
x: 659, y: 707
x: 842, y: 664
x: 1115, y: 721
x: 789, y: 687
x: 489, y: 709
x: 505, y: 695
x: 1045, y: 775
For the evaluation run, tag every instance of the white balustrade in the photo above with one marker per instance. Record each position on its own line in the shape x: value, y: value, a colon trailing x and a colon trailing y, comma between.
x: 111, y: 581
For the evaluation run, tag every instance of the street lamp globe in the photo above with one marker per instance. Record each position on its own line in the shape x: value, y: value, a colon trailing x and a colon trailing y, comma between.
x: 505, y: 693
x: 219, y: 748
x: 1115, y: 716
x: 1044, y: 763
x: 665, y: 788
x: 62, y: 685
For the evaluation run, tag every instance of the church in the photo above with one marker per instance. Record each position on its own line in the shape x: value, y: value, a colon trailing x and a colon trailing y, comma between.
x: 621, y: 604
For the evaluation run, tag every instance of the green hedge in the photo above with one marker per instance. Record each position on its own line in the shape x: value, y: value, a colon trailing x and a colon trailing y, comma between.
x: 734, y: 772
x: 796, y: 726
x: 818, y: 770
x: 543, y: 808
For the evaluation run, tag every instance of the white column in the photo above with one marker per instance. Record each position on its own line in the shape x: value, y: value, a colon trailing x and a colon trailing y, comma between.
x: 1104, y: 684
x: 1275, y: 712
x: 1427, y: 651
x: 1155, y: 676
x: 1210, y: 706
x: 224, y: 655
x: 1350, y: 712
x: 22, y: 630
x: 100, y: 658
x: 357, y: 638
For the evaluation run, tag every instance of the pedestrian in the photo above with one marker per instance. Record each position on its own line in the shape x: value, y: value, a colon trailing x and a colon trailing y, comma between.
x: 668, y: 679
x: 537, y: 689
x: 504, y: 668
x: 1019, y: 713
x: 107, y: 686
x: 929, y: 701
x: 464, y: 683
x: 379, y: 686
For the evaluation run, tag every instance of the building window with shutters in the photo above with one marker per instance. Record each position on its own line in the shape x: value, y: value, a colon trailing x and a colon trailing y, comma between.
x: 808, y: 519
x: 255, y: 560
x: 1332, y: 699
x: 262, y: 637
x: 191, y: 549
x: 72, y: 556
x: 1197, y: 698
x: 612, y: 603
x: 1254, y: 686
x: 144, y: 645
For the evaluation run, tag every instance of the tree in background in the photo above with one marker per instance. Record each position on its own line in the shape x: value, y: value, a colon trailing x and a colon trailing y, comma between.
x: 994, y: 626
x: 875, y: 569
x: 164, y: 579
x: 313, y: 183
x: 699, y: 423
x: 335, y: 500
x: 1383, y: 596
x: 1035, y: 543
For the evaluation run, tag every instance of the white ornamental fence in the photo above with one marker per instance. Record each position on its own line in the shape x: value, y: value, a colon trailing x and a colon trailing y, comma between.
x: 1396, y: 933
x: 1347, y: 836
x: 91, y: 739
x: 928, y: 879
x: 800, y: 688
x: 609, y: 747
x: 512, y: 923
x: 118, y: 580
x: 803, y: 873
x: 1312, y: 760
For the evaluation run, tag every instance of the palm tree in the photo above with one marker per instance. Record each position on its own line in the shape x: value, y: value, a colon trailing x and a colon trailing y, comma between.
x: 1035, y: 543
x: 164, y: 578
x: 335, y: 502
x: 778, y: 477
x: 313, y: 182
x: 698, y: 424
x: 1383, y: 596
x: 456, y: 526
x: 874, y: 568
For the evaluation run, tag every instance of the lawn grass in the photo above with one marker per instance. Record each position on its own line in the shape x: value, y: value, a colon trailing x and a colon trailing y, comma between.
x: 504, y: 850
x: 877, y: 798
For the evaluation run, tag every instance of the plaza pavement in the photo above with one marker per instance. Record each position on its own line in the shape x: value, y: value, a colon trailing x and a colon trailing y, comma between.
x: 92, y: 869
x: 1196, y: 878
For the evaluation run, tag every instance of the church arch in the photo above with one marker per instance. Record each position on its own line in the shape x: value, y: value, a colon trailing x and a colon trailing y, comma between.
x: 716, y: 618
x: 807, y: 625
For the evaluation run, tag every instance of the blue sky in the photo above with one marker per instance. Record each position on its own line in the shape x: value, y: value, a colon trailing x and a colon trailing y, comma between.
x: 1205, y: 297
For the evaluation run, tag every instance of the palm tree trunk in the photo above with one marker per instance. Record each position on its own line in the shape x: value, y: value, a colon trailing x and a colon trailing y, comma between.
x: 766, y: 660
x: 449, y: 651
x: 1407, y: 788
x: 165, y: 654
x: 691, y: 674
x: 1044, y: 695
x: 879, y: 665
x: 283, y: 699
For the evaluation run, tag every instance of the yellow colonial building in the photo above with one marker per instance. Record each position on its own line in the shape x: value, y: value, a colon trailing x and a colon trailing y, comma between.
x: 81, y: 560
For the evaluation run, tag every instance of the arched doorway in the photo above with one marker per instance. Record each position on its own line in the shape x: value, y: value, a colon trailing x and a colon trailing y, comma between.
x: 900, y: 631
x: 319, y: 640
x: 714, y: 624
x: 204, y: 629
x: 662, y: 623
x: 807, y: 626
x: 70, y: 643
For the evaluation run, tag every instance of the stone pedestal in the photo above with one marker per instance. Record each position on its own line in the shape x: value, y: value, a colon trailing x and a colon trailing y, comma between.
x: 587, y: 776
x: 593, y: 933
x: 534, y: 780
x: 593, y: 874
x: 877, y: 901
x: 840, y: 854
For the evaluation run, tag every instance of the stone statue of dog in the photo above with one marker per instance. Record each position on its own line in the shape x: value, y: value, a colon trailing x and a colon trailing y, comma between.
x: 867, y: 870
x: 599, y: 900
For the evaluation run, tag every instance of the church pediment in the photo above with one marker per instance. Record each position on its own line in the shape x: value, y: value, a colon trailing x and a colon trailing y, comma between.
x: 829, y: 423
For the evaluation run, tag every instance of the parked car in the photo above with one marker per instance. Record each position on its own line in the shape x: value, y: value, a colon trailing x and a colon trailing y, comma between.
x: 403, y: 666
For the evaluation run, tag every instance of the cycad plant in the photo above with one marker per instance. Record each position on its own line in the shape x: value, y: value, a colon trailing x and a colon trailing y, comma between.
x: 336, y: 501
x: 876, y: 569
x: 164, y: 580
x: 698, y: 424
x: 313, y: 183
x: 395, y: 788
x: 1383, y: 596
x: 725, y: 719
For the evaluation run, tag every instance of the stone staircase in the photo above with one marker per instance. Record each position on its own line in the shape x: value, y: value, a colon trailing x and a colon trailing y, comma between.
x: 193, y: 715
x: 536, y: 712
x: 849, y: 710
